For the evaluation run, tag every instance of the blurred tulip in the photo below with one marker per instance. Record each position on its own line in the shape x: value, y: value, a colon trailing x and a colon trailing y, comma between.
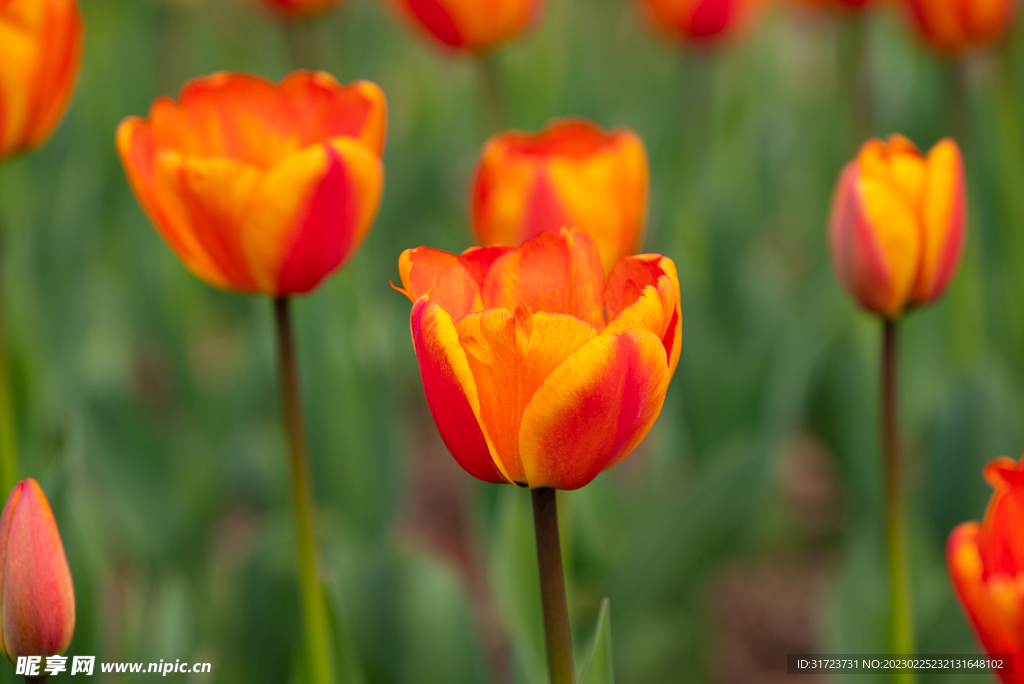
x: 570, y: 174
x: 38, y: 597
x: 260, y: 187
x: 476, y: 26
x: 899, y: 220
x: 699, y: 20
x: 951, y: 26
x: 536, y: 369
x: 40, y: 51
x: 986, y: 562
x: 299, y: 8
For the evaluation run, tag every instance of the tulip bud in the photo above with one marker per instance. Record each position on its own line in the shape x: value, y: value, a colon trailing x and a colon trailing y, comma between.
x: 899, y: 220
x: 985, y: 565
x: 299, y: 8
x: 699, y: 20
x: 40, y: 51
x: 474, y: 26
x: 952, y: 26
x: 37, y: 599
x: 571, y: 174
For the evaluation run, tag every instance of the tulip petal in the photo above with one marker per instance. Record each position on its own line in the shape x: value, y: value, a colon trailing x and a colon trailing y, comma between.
x: 944, y: 217
x: 38, y: 594
x: 441, y: 275
x: 435, y: 18
x: 593, y: 409
x: 57, y: 70
x: 451, y: 391
x: 321, y: 108
x: 643, y: 292
x: 5, y: 534
x: 478, y: 260
x: 510, y: 356
x: 554, y: 272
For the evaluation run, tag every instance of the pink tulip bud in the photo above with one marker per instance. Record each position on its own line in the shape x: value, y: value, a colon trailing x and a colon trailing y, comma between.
x: 37, y: 598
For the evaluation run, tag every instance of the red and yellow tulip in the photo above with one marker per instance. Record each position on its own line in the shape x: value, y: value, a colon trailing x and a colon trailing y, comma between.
x: 40, y: 52
x: 36, y: 592
x: 899, y: 221
x: 986, y: 565
x: 300, y: 8
x: 537, y: 369
x: 570, y: 174
x: 260, y: 187
x: 699, y: 20
x: 474, y: 26
x: 952, y: 26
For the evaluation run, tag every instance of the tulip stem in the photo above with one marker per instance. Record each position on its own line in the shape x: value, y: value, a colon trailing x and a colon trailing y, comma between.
x: 8, y: 445
x: 557, y: 637
x: 901, y: 624
x: 856, y: 79
x: 314, y: 608
x: 490, y: 93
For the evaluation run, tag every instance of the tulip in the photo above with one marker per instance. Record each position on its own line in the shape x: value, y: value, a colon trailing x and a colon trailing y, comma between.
x: 537, y: 370
x: 985, y: 565
x: 474, y: 26
x: 899, y: 220
x: 570, y: 174
x: 699, y: 20
x: 952, y: 26
x: 299, y: 8
x: 40, y: 51
x: 260, y: 187
x: 37, y: 596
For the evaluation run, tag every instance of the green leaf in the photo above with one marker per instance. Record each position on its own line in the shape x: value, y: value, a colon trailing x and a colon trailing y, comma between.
x: 598, y: 668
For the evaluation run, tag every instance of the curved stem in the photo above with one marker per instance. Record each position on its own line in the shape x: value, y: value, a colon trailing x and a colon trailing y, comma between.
x: 493, y: 102
x: 557, y: 637
x: 8, y: 444
x: 314, y: 608
x: 901, y: 625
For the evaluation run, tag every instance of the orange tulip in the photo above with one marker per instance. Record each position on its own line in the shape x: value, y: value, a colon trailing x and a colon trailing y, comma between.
x: 570, y: 174
x: 299, y: 8
x: 260, y: 187
x: 699, y: 20
x: 899, y: 220
x: 476, y: 26
x: 36, y: 592
x: 538, y: 371
x: 951, y: 26
x: 986, y: 565
x: 40, y: 51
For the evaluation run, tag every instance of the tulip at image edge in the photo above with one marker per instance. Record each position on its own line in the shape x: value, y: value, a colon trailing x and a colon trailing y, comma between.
x: 954, y: 26
x: 37, y: 596
x: 700, y: 21
x: 260, y: 187
x: 537, y: 370
x: 40, y: 55
x: 571, y: 173
x: 986, y: 566
x: 472, y: 27
x: 898, y: 224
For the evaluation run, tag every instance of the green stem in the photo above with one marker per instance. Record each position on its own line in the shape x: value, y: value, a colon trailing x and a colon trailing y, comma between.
x: 303, y: 41
x: 8, y: 444
x: 492, y: 101
x: 901, y: 626
x: 856, y: 79
x: 314, y: 608
x: 557, y: 637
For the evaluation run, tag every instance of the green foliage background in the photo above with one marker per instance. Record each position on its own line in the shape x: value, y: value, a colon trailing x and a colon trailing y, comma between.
x: 147, y: 401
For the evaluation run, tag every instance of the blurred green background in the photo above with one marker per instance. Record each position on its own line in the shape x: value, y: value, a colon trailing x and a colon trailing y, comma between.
x: 748, y: 524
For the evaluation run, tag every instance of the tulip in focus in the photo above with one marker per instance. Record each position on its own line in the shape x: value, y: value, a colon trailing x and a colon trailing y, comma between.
x: 474, y: 26
x: 986, y: 565
x: 952, y: 26
x: 299, y: 8
x: 570, y: 174
x: 899, y: 220
x: 537, y: 369
x: 40, y: 51
x: 36, y: 592
x: 699, y: 20
x: 260, y: 187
